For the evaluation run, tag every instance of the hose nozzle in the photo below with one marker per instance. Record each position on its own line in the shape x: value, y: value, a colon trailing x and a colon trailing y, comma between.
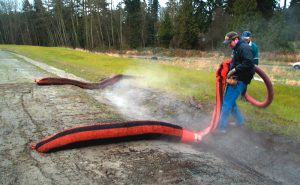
x: 191, y: 136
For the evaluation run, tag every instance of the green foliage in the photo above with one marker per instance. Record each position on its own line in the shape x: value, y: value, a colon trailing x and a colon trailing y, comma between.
x: 217, y: 29
x: 190, y: 24
x: 27, y: 7
x: 165, y: 32
x: 293, y: 21
x: 133, y: 19
x: 185, y: 34
x: 152, y: 21
x: 266, y: 7
x: 270, y: 30
x: 38, y: 7
x: 282, y: 116
x: 245, y: 14
x: 270, y: 35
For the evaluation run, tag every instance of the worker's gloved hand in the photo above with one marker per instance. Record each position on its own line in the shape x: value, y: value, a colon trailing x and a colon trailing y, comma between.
x: 231, y: 81
x: 231, y: 72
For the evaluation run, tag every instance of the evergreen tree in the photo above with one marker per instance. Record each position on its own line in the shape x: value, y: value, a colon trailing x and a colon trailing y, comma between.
x: 39, y: 22
x: 28, y: 34
x: 245, y: 15
x: 152, y: 21
x: 202, y: 13
x: 172, y: 9
x: 27, y: 7
x: 190, y: 24
x: 293, y: 21
x: 228, y: 4
x: 218, y: 28
x: 133, y: 22
x: 266, y: 7
x: 165, y: 33
x: 186, y: 26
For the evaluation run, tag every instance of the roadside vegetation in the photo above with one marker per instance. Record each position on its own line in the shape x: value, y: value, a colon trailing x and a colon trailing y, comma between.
x: 187, y: 77
x: 129, y: 24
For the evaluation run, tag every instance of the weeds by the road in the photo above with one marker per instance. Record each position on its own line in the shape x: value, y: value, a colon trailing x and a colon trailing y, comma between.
x: 187, y: 77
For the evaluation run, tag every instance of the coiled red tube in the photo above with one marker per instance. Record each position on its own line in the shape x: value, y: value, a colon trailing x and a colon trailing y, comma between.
x: 270, y: 91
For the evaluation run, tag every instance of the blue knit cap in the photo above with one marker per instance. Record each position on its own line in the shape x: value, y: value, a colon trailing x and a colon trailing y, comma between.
x: 246, y: 35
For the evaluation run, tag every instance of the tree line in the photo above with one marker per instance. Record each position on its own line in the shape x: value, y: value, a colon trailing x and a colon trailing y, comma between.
x: 187, y: 24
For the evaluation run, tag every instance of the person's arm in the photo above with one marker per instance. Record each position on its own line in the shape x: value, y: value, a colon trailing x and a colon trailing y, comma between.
x: 255, y: 54
x: 247, y: 59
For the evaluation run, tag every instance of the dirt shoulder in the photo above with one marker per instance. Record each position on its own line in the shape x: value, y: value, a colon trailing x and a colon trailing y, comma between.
x: 29, y: 113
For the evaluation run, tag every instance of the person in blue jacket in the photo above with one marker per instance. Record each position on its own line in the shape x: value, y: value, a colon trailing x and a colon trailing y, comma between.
x: 242, y: 69
x: 246, y: 37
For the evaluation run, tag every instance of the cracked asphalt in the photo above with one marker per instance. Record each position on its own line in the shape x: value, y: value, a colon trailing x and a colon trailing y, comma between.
x: 29, y: 113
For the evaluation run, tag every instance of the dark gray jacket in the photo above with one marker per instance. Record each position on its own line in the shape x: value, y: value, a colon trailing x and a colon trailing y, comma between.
x: 243, y: 62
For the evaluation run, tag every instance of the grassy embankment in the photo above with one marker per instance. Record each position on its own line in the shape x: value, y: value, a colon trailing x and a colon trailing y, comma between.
x: 282, y: 117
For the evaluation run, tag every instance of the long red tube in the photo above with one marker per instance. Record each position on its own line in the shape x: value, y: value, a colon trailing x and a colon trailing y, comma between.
x: 54, y: 80
x: 120, y: 131
x: 112, y: 132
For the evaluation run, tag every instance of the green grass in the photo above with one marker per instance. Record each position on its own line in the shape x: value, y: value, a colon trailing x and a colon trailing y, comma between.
x: 282, y: 117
